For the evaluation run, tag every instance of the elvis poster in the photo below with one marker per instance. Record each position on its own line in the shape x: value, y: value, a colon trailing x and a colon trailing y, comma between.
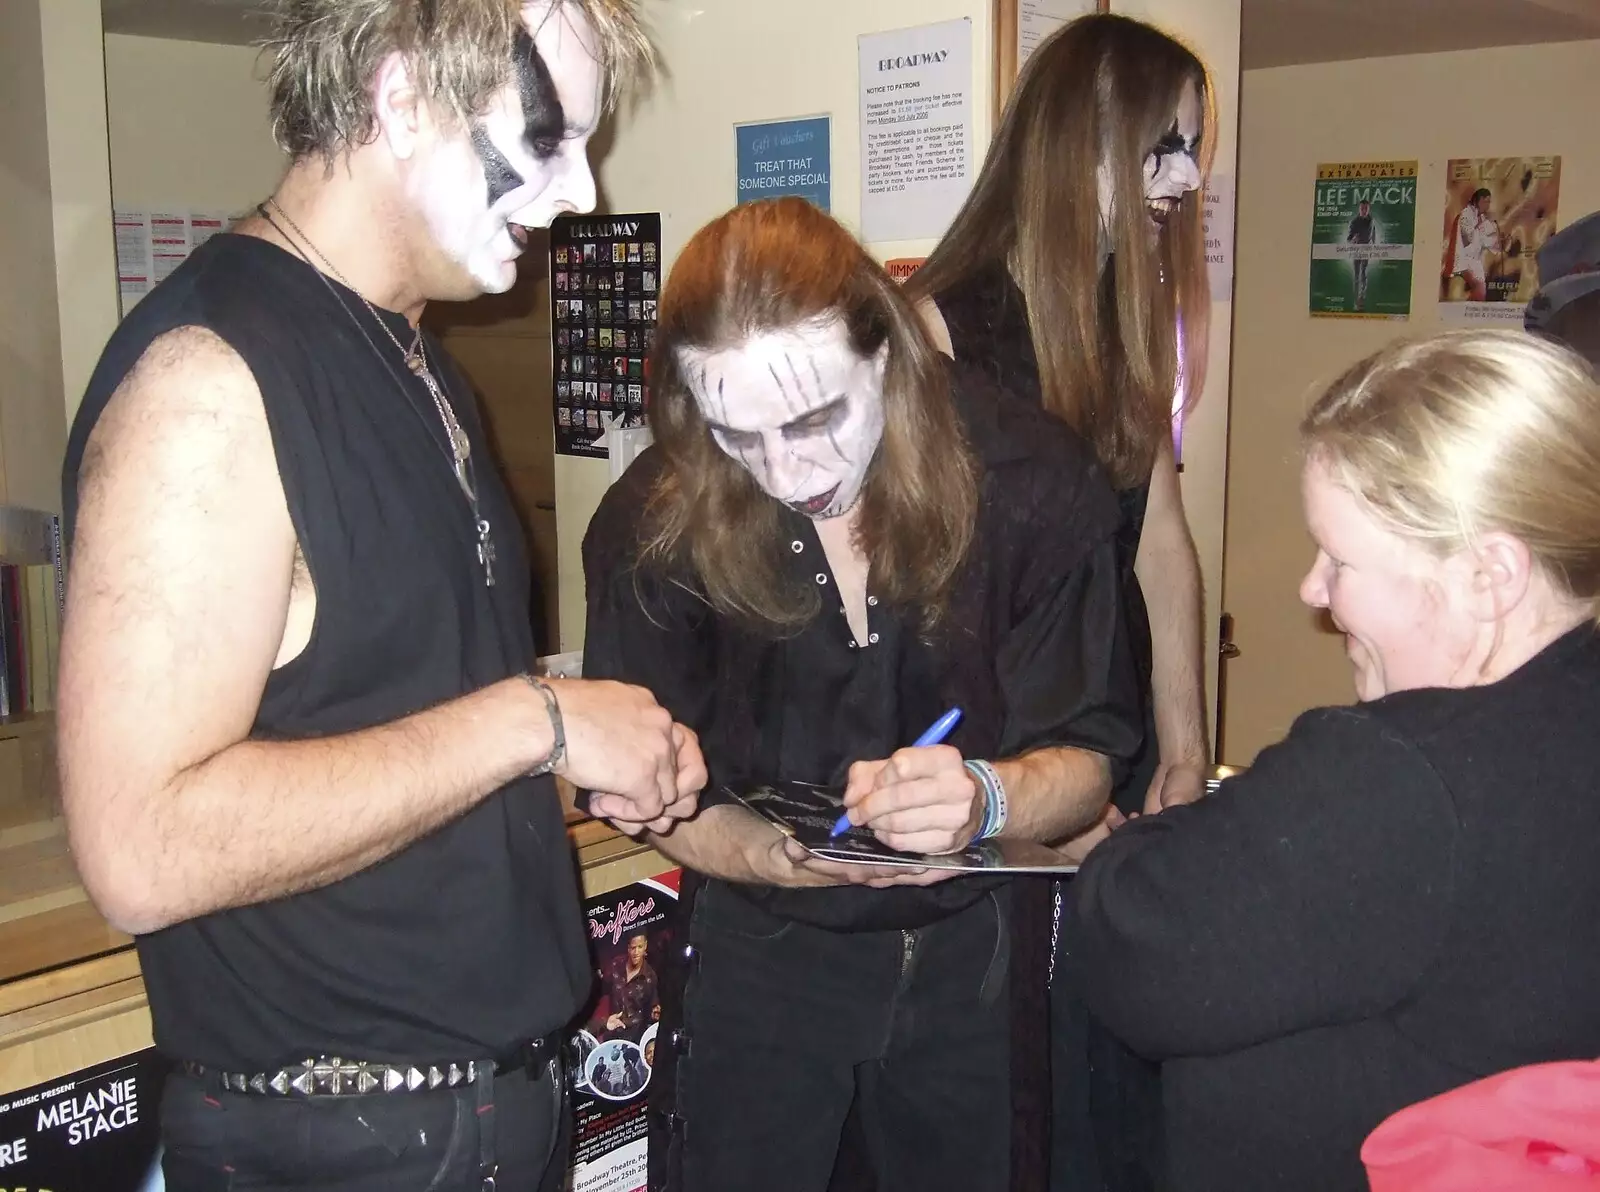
x: 1498, y: 212
x: 1363, y: 234
x: 631, y: 930
x: 96, y: 1130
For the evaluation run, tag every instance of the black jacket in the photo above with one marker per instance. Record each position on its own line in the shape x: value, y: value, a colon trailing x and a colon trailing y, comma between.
x: 1399, y: 898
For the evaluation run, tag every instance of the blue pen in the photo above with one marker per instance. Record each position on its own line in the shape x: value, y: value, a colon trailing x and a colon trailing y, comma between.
x: 937, y: 732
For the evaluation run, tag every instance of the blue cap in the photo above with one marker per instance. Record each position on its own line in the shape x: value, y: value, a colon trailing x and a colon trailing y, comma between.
x: 1569, y: 267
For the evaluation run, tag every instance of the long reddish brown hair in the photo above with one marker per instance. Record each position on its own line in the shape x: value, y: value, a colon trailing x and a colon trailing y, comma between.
x: 773, y: 266
x: 1102, y: 87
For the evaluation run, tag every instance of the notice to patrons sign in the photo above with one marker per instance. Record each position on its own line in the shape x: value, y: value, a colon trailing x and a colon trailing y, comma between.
x: 916, y: 129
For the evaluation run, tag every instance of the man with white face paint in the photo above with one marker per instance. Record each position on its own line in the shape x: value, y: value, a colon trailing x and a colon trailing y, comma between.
x: 304, y: 758
x: 837, y: 537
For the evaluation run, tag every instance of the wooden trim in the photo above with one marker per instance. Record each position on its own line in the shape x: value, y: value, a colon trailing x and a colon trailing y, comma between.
x: 1005, y: 54
x: 71, y: 1012
x: 16, y: 996
x: 115, y: 1026
x: 1005, y: 50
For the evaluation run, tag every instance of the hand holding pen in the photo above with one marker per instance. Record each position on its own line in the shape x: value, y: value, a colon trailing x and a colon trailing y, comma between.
x: 919, y: 800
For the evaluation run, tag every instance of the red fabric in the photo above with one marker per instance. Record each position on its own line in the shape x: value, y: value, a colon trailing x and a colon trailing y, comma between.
x: 1534, y: 1129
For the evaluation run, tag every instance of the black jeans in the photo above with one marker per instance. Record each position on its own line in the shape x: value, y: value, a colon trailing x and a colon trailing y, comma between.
x: 788, y: 1025
x: 445, y: 1140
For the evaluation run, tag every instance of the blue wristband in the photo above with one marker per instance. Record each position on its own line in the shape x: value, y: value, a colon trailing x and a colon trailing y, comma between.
x: 993, y: 820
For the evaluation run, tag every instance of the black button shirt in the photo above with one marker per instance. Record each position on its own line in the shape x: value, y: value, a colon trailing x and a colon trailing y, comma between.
x: 1033, y: 647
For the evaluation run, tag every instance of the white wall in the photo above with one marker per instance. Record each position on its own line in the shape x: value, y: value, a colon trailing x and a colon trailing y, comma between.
x: 189, y: 126
x: 32, y: 420
x: 733, y: 61
x: 80, y: 188
x: 1429, y: 107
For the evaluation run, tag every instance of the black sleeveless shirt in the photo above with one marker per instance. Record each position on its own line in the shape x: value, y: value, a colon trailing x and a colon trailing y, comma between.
x: 988, y: 324
x: 469, y: 940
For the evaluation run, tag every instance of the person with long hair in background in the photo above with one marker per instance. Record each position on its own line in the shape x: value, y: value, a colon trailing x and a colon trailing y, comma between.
x: 1074, y: 276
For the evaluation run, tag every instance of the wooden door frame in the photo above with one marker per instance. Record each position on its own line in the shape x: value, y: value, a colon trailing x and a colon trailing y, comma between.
x: 1005, y: 50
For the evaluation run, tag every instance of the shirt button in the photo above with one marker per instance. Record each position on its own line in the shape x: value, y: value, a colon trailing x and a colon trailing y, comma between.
x: 873, y: 601
x: 822, y: 577
x: 873, y: 638
x: 852, y: 645
x: 797, y: 546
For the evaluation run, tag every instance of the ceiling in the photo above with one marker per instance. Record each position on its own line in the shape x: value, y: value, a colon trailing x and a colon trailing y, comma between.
x: 1288, y: 32
x: 1274, y: 32
x: 230, y: 22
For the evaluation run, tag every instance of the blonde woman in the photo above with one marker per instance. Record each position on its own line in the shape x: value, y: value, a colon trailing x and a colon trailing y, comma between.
x: 1402, y: 896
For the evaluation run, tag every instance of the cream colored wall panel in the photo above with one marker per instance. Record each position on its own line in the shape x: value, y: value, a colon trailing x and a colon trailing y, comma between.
x: 1431, y: 107
x: 189, y: 126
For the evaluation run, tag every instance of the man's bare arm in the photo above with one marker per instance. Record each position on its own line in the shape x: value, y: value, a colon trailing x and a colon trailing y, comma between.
x: 726, y: 841
x: 181, y: 572
x: 1168, y: 569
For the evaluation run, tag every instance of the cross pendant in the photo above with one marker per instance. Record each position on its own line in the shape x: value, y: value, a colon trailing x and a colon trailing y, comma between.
x: 486, y: 552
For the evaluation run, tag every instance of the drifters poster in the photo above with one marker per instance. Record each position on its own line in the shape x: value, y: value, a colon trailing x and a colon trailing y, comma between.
x: 631, y: 931
x: 1498, y: 212
x: 1363, y: 235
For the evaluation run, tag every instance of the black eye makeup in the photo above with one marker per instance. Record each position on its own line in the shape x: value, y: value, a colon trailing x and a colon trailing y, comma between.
x: 1172, y: 143
x: 818, y: 421
x: 544, y: 121
x: 735, y: 440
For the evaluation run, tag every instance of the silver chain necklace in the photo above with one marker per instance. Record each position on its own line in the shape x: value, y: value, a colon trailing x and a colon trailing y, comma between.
x: 416, y: 359
x: 415, y: 356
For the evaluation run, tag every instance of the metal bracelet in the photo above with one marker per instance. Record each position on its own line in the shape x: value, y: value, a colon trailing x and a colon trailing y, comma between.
x: 558, y: 747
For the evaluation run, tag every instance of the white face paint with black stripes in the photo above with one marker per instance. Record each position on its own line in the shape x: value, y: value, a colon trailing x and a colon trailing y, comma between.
x: 525, y: 160
x: 1170, y: 171
x: 800, y: 409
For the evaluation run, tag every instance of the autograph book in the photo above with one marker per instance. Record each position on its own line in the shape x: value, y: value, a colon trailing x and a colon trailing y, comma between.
x: 808, y: 812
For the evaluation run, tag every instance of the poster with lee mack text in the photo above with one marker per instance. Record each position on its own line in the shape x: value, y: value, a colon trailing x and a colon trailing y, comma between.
x: 1363, y: 232
x: 1498, y: 212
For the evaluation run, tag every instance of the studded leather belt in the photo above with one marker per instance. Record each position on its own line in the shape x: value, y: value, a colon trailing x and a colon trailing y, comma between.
x: 333, y: 1076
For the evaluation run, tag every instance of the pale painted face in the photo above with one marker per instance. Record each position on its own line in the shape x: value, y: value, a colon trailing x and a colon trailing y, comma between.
x: 525, y: 161
x: 1403, y: 610
x: 799, y: 409
x: 1171, y: 168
